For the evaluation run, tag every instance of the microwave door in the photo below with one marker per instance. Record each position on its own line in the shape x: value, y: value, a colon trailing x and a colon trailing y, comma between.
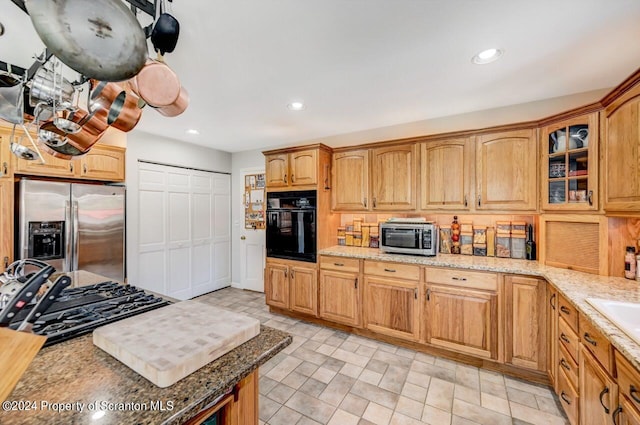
x: 401, y: 238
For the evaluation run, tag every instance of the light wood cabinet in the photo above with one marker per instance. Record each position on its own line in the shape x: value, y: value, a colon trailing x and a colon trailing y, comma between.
x: 569, y: 151
x: 6, y: 223
x: 291, y: 285
x: 552, y: 336
x: 53, y: 167
x: 391, y: 307
x: 297, y: 168
x: 598, y: 391
x: 506, y: 171
x: 445, y: 174
x: 394, y: 176
x: 526, y: 327
x: 103, y: 162
x: 6, y: 171
x: 621, y: 153
x: 350, y: 180
x: 569, y: 398
x: 340, y: 290
x: 626, y: 414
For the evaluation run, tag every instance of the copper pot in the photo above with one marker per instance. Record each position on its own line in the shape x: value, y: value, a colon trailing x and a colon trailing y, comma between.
x: 178, y: 106
x: 157, y: 84
x: 93, y: 128
x: 56, y: 143
x: 115, y: 105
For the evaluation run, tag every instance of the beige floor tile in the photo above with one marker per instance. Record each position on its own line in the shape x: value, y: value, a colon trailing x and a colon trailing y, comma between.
x: 549, y: 405
x: 394, y: 378
x: 470, y: 395
x: 370, y: 377
x: 354, y: 404
x: 377, y: 414
x: 440, y: 394
x: 522, y: 397
x: 323, y: 375
x: 333, y: 364
x: 494, y: 403
x: 313, y: 387
x: 349, y: 357
x: 266, y: 385
x: 419, y: 379
x: 479, y: 414
x: 294, y: 380
x: 307, y: 421
x: 414, y: 392
x: 284, y: 368
x: 535, y: 416
x: 410, y: 407
x: 342, y: 417
x: 498, y: 390
x: 350, y: 346
x: 457, y: 420
x: 281, y: 393
x: 539, y: 390
x: 326, y: 349
x: 435, y: 371
x: 434, y: 416
x: 351, y: 370
x: 285, y: 416
x: 468, y: 376
x: 306, y: 369
x: 295, y: 344
x: 363, y: 350
x: 392, y: 359
x: 312, y: 407
x: 425, y: 358
x: 267, y: 408
x: 400, y: 419
x: 373, y: 393
x: 337, y: 389
x: 377, y: 366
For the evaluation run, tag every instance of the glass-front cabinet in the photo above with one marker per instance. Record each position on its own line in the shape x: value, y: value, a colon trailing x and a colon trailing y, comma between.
x: 570, y: 164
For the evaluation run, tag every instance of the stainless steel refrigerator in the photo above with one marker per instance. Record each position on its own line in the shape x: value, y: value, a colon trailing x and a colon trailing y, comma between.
x: 72, y: 226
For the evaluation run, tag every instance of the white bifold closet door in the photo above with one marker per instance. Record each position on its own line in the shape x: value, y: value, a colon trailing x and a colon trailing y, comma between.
x: 184, y: 223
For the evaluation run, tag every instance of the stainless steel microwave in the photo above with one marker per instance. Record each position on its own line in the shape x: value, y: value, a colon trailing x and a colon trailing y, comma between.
x: 409, y: 238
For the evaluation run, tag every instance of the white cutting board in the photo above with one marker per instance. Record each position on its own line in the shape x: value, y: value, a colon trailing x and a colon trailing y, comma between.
x: 169, y: 343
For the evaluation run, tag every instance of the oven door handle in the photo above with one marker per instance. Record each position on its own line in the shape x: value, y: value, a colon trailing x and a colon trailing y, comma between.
x: 67, y: 236
x: 76, y: 233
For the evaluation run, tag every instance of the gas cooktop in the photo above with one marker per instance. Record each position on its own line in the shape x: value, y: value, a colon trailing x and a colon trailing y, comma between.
x: 80, y: 310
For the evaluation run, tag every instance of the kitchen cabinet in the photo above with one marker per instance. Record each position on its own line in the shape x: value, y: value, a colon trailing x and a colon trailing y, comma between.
x: 506, y: 171
x: 6, y: 171
x: 53, y: 167
x: 103, y: 162
x: 598, y: 391
x: 526, y: 327
x: 340, y: 289
x: 569, y: 179
x: 350, y: 180
x: 291, y: 285
x: 391, y: 299
x: 461, y: 311
x: 626, y: 414
x: 303, y: 167
x: 552, y: 335
x: 277, y: 170
x: 6, y: 223
x: 445, y: 174
x: 393, y: 177
x: 621, y: 153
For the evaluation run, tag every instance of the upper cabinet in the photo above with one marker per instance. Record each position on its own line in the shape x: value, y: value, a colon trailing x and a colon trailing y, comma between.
x: 445, y: 174
x: 5, y: 156
x: 295, y: 168
x: 570, y: 164
x: 350, y: 180
x: 506, y: 171
x: 621, y: 153
x: 394, y: 174
x: 103, y: 163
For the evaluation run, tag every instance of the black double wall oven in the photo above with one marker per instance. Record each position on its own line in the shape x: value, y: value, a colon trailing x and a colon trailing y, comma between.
x: 291, y: 225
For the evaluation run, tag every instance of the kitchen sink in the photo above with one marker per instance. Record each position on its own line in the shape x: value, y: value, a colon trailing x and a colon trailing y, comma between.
x: 625, y: 315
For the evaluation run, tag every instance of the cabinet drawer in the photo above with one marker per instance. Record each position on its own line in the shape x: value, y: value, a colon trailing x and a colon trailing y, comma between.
x: 568, y: 365
x: 341, y: 264
x: 568, y: 397
x: 568, y: 339
x: 596, y: 343
x: 396, y: 270
x: 568, y: 312
x: 465, y: 278
x: 628, y: 380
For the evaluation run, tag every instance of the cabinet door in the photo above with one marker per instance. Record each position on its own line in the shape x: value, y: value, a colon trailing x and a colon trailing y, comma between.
x: 6, y: 171
x: 598, y: 391
x: 506, y: 171
x: 444, y: 175
x: 350, y: 180
x: 622, y: 153
x: 626, y: 414
x: 462, y: 320
x: 394, y: 178
x: 552, y: 335
x: 6, y: 223
x: 277, y: 169
x: 276, y: 286
x: 391, y: 307
x: 569, y: 179
x: 303, y: 167
x: 303, y: 296
x: 103, y: 163
x: 526, y: 327
x: 54, y: 167
x: 340, y: 297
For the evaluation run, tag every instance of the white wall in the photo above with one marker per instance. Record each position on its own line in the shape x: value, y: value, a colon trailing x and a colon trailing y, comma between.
x: 247, y: 160
x: 144, y: 146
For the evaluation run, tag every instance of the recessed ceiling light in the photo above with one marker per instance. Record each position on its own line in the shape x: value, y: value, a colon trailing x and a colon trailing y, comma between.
x: 192, y: 131
x: 487, y: 56
x: 296, y: 106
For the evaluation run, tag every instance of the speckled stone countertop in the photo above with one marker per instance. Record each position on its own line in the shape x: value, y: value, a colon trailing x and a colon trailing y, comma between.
x: 75, y: 374
x: 575, y: 286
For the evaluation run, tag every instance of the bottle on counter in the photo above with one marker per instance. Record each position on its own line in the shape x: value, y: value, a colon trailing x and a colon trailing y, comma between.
x: 530, y: 244
x: 455, y: 236
x: 630, y: 263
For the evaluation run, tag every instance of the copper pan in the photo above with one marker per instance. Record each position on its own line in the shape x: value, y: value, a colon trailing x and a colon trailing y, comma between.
x: 115, y: 105
x: 56, y: 143
x: 93, y: 128
x: 178, y: 106
x: 157, y: 84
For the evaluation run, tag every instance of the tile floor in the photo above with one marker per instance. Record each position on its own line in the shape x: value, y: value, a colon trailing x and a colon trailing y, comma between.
x: 332, y: 377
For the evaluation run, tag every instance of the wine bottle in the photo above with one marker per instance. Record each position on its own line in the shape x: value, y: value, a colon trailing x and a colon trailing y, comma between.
x: 530, y: 244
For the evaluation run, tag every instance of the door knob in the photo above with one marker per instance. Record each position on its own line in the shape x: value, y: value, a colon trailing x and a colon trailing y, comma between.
x: 243, y: 238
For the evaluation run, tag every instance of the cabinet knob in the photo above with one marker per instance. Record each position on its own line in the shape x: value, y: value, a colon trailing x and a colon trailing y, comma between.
x: 5, y: 168
x: 365, y: 202
x: 479, y: 200
x: 374, y: 202
x: 293, y: 178
x: 590, y: 198
x: 465, y: 201
x: 285, y: 178
x: 243, y: 238
x: 84, y: 168
x: 71, y: 166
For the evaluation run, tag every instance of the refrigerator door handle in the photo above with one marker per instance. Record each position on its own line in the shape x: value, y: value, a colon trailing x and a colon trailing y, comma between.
x: 75, y: 235
x: 67, y: 235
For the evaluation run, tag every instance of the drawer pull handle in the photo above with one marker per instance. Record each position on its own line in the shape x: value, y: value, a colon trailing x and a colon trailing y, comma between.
x: 632, y: 392
x: 356, y: 283
x: 564, y: 398
x: 615, y: 415
x: 590, y: 340
x: 564, y: 364
x: 564, y: 338
x: 565, y: 310
x: 390, y: 270
x: 462, y: 279
x: 428, y: 294
x: 604, y: 391
x: 551, y: 301
x: 338, y: 264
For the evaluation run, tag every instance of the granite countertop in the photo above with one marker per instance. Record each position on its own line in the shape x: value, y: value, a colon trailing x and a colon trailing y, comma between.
x: 70, y: 381
x: 575, y: 286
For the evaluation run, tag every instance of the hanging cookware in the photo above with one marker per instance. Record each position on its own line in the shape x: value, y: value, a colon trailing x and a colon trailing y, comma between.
x: 156, y: 84
x: 101, y: 39
x: 178, y: 106
x: 166, y: 30
x: 115, y: 105
x: 49, y: 88
x: 21, y: 151
x: 11, y: 103
x: 56, y: 143
x: 93, y: 128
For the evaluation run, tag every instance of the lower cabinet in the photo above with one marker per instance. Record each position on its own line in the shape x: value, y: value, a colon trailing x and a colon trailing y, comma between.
x: 391, y: 307
x: 291, y: 285
x: 626, y: 413
x: 6, y: 223
x: 340, y: 289
x: 526, y: 322
x: 598, y: 391
x: 552, y: 335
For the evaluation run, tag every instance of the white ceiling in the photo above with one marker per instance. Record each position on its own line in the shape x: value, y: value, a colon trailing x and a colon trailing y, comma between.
x: 363, y: 64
